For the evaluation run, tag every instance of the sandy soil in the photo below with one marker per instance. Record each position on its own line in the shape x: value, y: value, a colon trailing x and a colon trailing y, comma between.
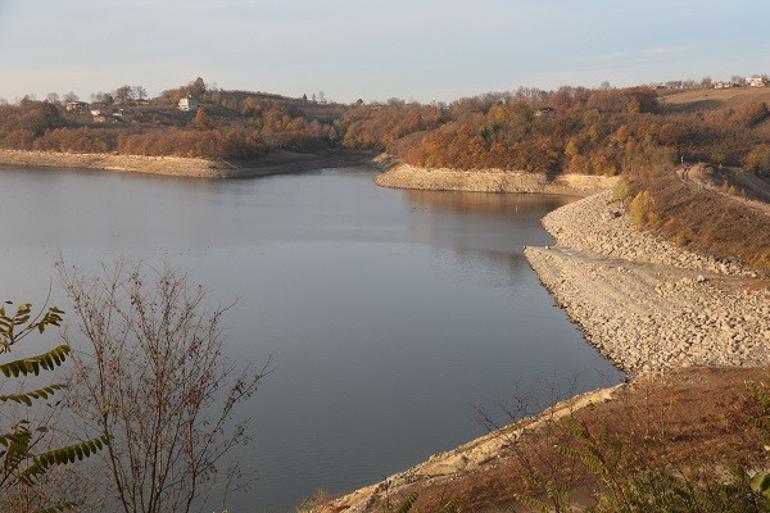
x: 275, y: 162
x: 645, y: 303
x: 404, y: 176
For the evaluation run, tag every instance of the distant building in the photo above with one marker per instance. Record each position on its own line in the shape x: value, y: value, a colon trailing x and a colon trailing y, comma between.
x: 723, y: 85
x: 100, y: 118
x: 75, y: 106
x: 95, y: 112
x: 757, y: 81
x: 545, y: 112
x: 188, y: 104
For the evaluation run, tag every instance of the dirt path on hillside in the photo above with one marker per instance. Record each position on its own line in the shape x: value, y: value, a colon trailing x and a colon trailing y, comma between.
x: 749, y: 190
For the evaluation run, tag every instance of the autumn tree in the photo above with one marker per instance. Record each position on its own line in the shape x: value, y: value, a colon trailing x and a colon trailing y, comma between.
x: 201, y: 120
x: 139, y: 92
x: 124, y: 94
x: 153, y: 378
x: 103, y: 98
x: 197, y: 87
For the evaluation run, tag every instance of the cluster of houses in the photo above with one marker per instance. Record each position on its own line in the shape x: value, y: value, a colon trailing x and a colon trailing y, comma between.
x: 754, y: 81
x: 75, y: 106
x: 101, y: 115
x: 98, y: 115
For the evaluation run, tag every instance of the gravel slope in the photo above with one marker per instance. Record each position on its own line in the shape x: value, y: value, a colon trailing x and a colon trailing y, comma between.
x: 645, y: 303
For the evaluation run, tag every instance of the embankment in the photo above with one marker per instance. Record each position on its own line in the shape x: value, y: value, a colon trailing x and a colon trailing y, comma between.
x: 275, y: 162
x: 644, y: 302
x: 403, y: 176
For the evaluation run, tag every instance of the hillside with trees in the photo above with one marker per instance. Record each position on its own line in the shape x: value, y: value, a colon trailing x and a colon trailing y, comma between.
x: 571, y: 130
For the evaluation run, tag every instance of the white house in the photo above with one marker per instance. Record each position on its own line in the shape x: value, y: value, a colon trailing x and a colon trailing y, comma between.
x: 75, y: 106
x: 188, y: 104
x: 757, y: 81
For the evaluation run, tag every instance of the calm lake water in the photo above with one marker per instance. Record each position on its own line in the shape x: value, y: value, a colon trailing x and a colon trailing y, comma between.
x: 391, y: 316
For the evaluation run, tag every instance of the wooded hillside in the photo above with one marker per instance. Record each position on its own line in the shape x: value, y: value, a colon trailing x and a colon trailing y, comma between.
x: 571, y: 130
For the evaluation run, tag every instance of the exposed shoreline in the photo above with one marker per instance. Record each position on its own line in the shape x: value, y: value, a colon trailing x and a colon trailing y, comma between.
x: 275, y: 162
x: 645, y: 303
x: 488, y: 464
x: 442, y: 468
x: 404, y: 176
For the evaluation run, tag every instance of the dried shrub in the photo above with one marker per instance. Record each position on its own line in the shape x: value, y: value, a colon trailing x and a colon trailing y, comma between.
x: 153, y: 379
x: 758, y: 160
x: 642, y: 210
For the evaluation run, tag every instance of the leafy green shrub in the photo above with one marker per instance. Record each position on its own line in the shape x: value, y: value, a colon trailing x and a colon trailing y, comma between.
x: 21, y: 465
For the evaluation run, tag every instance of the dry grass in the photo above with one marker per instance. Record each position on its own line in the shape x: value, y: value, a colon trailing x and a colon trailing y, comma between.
x: 701, y: 99
x: 688, y: 417
x: 701, y: 219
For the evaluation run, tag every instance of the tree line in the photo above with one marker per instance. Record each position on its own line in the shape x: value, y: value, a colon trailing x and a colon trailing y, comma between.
x: 570, y: 130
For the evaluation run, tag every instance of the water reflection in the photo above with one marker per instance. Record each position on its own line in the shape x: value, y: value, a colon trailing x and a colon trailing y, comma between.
x: 485, y: 203
x: 472, y: 223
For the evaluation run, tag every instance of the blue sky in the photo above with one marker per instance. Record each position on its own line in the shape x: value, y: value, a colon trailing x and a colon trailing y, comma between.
x: 374, y: 49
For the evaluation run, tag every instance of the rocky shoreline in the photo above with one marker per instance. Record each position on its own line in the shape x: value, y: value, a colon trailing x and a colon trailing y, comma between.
x: 441, y: 469
x: 663, y: 314
x: 275, y: 162
x: 645, y: 303
x: 404, y: 176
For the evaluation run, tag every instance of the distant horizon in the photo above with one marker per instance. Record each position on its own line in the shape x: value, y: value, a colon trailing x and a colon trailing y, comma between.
x: 89, y: 97
x: 375, y: 52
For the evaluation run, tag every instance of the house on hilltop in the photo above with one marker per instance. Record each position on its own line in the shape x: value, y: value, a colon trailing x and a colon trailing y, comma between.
x: 188, y: 104
x: 75, y: 106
